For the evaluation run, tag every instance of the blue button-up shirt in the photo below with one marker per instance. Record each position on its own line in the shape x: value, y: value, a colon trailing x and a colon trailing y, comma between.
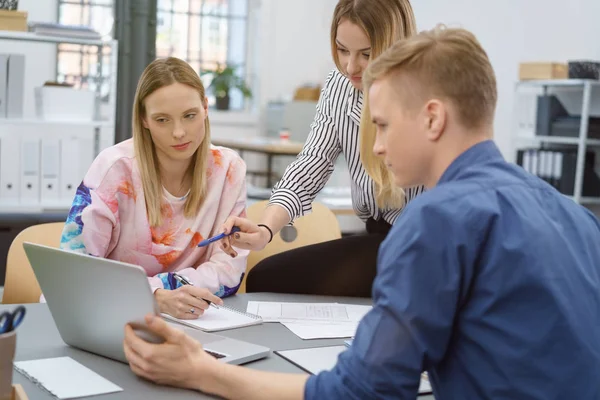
x: 490, y: 282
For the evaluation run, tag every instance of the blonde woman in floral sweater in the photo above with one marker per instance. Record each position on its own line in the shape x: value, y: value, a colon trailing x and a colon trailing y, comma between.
x: 150, y: 200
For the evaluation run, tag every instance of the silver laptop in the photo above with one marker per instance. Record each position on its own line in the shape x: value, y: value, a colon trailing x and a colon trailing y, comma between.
x: 92, y: 299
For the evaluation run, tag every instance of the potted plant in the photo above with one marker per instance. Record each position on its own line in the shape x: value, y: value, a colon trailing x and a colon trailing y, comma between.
x: 223, y: 80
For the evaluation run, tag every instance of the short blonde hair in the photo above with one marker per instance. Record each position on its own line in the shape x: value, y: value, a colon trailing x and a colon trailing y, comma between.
x: 447, y: 63
x: 158, y: 74
x: 384, y: 22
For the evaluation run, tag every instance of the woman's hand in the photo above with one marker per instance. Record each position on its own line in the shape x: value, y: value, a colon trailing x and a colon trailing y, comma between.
x: 250, y: 237
x: 185, y: 302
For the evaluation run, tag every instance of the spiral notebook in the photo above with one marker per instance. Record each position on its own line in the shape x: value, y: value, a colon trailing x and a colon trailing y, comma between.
x: 65, y: 378
x: 219, y: 319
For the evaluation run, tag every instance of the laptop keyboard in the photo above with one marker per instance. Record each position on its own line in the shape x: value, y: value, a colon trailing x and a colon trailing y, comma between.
x: 215, y: 355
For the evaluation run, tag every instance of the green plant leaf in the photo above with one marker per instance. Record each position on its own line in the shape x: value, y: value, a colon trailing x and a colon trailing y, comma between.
x: 224, y: 79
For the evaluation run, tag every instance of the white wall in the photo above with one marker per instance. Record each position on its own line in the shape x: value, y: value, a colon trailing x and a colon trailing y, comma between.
x: 512, y: 31
x: 293, y: 45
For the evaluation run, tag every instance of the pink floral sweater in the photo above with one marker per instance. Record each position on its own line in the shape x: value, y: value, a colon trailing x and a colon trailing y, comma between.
x: 108, y: 219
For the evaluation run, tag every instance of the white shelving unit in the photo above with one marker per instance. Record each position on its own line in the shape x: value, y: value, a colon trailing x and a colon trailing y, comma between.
x: 582, y: 142
x: 98, y: 133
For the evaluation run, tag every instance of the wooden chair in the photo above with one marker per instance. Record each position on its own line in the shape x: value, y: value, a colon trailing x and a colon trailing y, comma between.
x: 319, y: 226
x: 20, y: 285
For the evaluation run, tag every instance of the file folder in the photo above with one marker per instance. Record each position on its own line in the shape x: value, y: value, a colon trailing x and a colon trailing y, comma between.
x: 30, y: 170
x: 15, y: 88
x: 50, y: 169
x: 9, y: 168
x: 69, y: 176
x: 3, y: 84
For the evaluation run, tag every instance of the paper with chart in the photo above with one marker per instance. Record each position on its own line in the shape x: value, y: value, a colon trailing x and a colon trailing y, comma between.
x: 312, y: 320
x: 271, y: 311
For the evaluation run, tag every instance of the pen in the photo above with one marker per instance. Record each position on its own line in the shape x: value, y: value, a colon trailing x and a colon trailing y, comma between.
x: 218, y: 237
x: 184, y: 281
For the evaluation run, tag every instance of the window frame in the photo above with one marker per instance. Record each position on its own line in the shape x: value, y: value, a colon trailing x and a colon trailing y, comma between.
x: 249, y: 75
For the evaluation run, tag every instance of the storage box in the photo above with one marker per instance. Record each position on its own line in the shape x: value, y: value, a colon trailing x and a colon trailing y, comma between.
x: 307, y: 93
x: 584, y: 69
x: 65, y: 104
x: 543, y: 70
x: 13, y: 20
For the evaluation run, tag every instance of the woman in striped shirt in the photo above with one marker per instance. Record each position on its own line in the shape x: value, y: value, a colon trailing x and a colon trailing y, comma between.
x: 360, y: 31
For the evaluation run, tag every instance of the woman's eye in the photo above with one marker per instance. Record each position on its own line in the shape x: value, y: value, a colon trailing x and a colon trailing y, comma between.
x: 190, y: 116
x: 161, y: 120
x: 343, y: 51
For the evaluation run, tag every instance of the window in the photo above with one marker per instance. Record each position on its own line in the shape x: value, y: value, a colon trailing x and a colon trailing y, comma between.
x: 81, y: 65
x: 205, y: 33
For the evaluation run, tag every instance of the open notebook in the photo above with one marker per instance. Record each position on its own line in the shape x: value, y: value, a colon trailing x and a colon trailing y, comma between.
x: 218, y: 319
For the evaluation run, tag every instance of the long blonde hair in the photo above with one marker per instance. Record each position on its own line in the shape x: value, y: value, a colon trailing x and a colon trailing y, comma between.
x: 158, y: 74
x: 384, y: 22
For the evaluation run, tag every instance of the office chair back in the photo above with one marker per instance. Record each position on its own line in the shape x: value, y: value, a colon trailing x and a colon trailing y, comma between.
x: 20, y: 285
x: 319, y: 226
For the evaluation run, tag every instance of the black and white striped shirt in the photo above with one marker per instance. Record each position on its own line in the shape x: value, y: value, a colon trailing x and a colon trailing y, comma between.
x: 334, y: 130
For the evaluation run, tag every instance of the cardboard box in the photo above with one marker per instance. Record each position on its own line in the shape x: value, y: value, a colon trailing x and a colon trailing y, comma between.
x: 307, y: 94
x: 543, y: 70
x: 13, y: 20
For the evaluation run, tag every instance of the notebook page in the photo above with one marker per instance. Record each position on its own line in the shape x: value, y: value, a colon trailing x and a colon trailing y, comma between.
x: 65, y: 378
x: 215, y: 319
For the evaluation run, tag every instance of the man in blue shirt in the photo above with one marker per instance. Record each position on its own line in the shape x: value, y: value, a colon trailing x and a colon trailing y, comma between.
x: 490, y: 281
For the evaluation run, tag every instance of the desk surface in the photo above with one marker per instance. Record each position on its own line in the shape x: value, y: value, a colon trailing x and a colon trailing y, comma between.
x: 261, y: 144
x: 38, y: 338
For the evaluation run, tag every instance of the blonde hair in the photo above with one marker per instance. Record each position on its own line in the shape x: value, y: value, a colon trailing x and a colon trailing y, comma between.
x: 445, y: 63
x: 384, y: 22
x: 158, y: 74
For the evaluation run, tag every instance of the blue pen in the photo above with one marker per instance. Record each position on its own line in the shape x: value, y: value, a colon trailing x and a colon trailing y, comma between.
x: 9, y: 321
x: 218, y: 237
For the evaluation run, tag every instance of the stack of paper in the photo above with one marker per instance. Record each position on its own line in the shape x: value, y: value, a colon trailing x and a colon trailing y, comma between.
x: 312, y: 320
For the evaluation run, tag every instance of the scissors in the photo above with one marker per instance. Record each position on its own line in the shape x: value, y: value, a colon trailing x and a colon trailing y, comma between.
x: 10, y: 320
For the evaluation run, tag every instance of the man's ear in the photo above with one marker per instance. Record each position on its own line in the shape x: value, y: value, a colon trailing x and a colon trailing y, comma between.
x: 435, y: 119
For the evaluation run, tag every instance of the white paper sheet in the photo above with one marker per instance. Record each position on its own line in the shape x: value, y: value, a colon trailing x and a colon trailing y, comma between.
x: 296, y: 312
x: 318, y: 359
x: 320, y: 330
x: 65, y: 378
